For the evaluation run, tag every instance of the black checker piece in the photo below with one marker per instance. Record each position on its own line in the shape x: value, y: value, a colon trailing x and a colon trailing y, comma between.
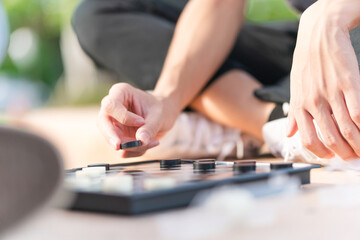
x: 130, y: 144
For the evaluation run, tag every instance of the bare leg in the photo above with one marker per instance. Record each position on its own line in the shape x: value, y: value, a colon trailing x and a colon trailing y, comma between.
x: 230, y: 101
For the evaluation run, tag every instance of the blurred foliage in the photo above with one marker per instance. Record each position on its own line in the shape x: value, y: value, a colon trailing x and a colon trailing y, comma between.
x: 270, y: 10
x: 46, y: 18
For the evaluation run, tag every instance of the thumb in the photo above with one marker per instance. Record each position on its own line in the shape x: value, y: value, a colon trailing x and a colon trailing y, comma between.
x: 149, y: 130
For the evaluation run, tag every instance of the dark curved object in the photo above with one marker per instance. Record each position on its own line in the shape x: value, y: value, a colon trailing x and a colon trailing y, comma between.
x: 30, y: 173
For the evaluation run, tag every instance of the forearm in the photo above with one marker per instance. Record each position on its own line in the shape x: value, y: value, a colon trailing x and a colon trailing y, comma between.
x: 203, y: 37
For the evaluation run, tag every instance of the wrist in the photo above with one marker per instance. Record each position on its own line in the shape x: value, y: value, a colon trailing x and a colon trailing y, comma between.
x: 344, y: 14
x: 170, y: 107
x: 168, y: 89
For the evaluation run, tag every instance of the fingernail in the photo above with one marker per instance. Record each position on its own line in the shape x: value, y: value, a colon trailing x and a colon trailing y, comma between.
x: 144, y: 137
x: 113, y: 142
x: 139, y: 122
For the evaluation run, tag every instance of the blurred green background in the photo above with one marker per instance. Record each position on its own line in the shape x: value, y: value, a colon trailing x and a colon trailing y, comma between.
x: 45, y: 20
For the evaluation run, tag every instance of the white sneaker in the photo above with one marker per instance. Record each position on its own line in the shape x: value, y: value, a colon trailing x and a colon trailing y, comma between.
x: 291, y: 149
x: 195, y: 136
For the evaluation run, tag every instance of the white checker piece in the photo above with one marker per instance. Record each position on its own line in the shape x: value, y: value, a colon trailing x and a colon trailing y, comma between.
x: 120, y: 184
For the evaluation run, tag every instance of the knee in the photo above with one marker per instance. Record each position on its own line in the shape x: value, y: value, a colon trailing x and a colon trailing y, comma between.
x: 87, y: 26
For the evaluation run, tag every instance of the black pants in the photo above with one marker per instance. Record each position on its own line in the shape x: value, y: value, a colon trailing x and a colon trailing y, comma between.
x: 131, y: 39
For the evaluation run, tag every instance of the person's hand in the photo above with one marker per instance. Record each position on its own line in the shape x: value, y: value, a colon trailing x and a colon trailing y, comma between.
x: 325, y: 82
x: 129, y: 114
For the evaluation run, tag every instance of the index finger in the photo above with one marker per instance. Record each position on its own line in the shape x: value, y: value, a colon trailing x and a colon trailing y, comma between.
x: 118, y: 111
x: 109, y: 130
x: 309, y: 137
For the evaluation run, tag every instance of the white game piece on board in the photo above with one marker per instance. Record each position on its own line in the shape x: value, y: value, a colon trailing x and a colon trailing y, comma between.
x: 91, y: 172
x: 158, y: 183
x: 95, y: 169
x: 121, y: 184
x: 78, y: 183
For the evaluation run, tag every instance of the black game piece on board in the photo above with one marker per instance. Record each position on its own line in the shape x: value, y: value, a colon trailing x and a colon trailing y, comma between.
x: 206, y: 160
x: 107, y: 166
x: 204, y: 166
x: 73, y: 170
x: 170, y: 163
x: 244, y: 167
x: 246, y: 162
x: 130, y: 144
x: 277, y: 166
